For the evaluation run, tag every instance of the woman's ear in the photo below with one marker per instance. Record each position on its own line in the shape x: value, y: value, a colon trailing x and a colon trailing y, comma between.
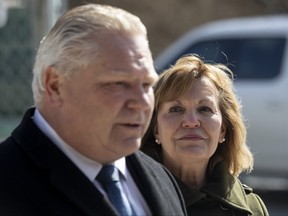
x: 155, y: 132
x: 222, y: 134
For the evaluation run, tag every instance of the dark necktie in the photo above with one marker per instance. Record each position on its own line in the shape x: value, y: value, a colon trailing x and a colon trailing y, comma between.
x: 109, y: 179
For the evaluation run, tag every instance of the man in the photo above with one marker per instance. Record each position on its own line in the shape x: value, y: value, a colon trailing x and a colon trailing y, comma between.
x: 92, y: 87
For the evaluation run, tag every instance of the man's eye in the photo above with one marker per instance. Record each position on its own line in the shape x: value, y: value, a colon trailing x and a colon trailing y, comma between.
x: 175, y: 109
x: 147, y: 86
x: 119, y: 84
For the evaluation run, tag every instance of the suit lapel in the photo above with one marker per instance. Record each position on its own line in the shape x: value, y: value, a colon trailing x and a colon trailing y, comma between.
x: 148, y: 182
x: 64, y: 175
x: 80, y: 191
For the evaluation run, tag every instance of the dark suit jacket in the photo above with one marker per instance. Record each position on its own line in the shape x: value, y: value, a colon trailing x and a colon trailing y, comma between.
x: 36, y: 178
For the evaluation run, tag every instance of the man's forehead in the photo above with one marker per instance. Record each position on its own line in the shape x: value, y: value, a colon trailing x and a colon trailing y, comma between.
x: 132, y: 73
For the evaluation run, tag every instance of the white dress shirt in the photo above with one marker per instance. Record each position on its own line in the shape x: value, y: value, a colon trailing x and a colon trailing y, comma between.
x: 91, y: 168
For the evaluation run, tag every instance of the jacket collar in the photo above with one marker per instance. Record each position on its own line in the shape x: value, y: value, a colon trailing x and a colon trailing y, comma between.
x: 49, y: 159
x: 148, y: 174
x: 222, y: 186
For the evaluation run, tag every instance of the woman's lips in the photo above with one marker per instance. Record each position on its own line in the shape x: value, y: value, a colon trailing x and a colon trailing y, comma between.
x: 191, y: 137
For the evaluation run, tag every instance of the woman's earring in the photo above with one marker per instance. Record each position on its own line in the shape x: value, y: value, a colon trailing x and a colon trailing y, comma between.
x: 223, y: 140
x: 157, y: 141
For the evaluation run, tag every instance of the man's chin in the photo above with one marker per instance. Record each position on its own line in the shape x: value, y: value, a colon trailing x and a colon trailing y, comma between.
x: 131, y: 145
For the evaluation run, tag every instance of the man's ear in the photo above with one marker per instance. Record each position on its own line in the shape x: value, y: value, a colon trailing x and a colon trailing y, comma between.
x: 52, y: 83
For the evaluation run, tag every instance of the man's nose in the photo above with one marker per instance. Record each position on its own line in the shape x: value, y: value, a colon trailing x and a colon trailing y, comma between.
x: 141, y: 99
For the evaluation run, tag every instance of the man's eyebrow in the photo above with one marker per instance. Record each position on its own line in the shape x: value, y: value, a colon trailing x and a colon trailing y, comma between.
x: 119, y: 72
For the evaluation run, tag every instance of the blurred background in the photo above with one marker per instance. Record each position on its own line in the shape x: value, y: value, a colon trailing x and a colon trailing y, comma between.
x: 23, y: 23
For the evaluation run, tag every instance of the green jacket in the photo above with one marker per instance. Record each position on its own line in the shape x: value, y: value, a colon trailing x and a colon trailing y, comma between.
x: 223, y: 194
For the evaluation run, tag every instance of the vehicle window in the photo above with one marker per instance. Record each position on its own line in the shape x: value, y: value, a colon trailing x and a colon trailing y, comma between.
x: 257, y: 58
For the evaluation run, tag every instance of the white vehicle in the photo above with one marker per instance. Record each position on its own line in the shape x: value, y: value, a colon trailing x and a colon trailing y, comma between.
x: 255, y: 49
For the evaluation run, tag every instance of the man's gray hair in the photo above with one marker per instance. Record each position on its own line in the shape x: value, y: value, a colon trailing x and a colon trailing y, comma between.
x: 72, y: 42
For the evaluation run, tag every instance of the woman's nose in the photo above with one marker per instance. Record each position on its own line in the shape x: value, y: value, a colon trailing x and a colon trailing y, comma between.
x: 190, y: 120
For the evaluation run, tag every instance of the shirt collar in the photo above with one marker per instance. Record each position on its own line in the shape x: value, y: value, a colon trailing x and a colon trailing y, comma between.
x: 89, y: 167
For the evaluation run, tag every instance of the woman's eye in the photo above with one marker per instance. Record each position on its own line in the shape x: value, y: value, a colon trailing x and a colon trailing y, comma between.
x: 206, y: 109
x: 175, y: 109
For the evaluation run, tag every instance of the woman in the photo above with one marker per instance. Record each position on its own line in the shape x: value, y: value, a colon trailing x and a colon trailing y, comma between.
x: 198, y: 133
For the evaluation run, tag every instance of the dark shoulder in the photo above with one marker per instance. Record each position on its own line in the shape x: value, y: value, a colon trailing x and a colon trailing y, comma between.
x: 149, y: 162
x: 148, y: 166
x: 147, y: 159
x: 8, y: 149
x: 156, y: 181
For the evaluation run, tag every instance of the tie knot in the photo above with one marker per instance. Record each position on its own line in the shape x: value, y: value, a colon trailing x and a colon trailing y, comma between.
x: 108, y: 173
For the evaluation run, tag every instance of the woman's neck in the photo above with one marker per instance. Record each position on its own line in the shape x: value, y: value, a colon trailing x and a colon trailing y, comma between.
x: 193, y: 175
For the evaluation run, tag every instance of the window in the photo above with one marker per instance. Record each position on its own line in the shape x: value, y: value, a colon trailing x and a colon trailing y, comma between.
x: 257, y: 58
